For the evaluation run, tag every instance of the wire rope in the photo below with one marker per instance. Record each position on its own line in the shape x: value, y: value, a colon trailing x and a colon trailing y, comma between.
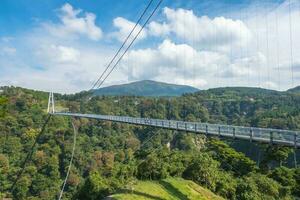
x: 291, y: 44
x: 277, y: 49
x: 257, y: 42
x: 29, y: 155
x: 71, y: 161
x: 123, y: 44
x: 131, y: 43
x: 267, y: 46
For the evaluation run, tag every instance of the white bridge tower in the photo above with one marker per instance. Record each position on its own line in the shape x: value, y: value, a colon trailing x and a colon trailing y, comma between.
x: 51, y: 105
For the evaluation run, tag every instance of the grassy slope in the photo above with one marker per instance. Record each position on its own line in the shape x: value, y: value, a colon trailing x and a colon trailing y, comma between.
x: 168, y: 189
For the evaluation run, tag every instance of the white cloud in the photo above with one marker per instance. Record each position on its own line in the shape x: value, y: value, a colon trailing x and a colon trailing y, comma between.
x: 56, y: 54
x: 173, y: 62
x: 189, y: 49
x: 8, y: 50
x: 124, y: 27
x: 73, y: 24
x: 245, y: 66
x: 49, y: 60
x: 271, y: 37
x: 270, y: 85
x: 158, y: 29
x: 207, y: 32
x: 7, y: 39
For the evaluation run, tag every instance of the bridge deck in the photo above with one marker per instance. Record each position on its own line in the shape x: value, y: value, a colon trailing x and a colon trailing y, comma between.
x: 264, y: 135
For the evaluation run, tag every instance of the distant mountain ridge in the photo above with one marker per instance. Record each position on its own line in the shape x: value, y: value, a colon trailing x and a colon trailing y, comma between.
x: 295, y: 89
x: 145, y: 88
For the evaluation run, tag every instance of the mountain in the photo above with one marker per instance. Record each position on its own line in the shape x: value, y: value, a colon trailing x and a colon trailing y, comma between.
x: 240, y: 90
x: 295, y: 89
x: 146, y: 88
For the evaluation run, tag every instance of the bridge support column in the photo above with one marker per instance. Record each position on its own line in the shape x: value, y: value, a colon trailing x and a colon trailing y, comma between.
x: 233, y: 132
x: 295, y: 140
x: 251, y: 135
x: 219, y: 131
x: 271, y: 138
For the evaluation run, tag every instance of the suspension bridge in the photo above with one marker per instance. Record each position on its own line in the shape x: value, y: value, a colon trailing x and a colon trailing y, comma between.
x: 253, y: 134
x: 270, y: 136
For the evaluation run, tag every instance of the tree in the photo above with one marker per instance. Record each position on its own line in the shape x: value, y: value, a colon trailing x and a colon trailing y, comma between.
x: 22, y: 188
x: 284, y: 176
x: 230, y: 159
x: 95, y: 187
x: 226, y: 185
x: 276, y: 153
x: 296, y: 189
x: 257, y: 186
x: 3, y: 106
x: 4, y: 169
x: 203, y: 170
x: 152, y: 168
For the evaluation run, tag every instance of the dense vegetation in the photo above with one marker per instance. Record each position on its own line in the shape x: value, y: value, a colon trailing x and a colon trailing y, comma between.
x: 110, y: 156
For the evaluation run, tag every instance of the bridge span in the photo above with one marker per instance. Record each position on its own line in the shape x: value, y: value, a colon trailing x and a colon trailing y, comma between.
x: 253, y: 134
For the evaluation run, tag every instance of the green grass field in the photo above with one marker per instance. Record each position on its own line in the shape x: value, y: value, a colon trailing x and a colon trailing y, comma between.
x: 168, y: 189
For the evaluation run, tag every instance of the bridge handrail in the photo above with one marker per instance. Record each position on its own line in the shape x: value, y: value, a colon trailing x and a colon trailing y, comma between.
x: 271, y: 135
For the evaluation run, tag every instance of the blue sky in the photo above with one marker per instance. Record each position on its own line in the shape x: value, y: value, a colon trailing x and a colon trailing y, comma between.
x: 64, y: 45
x: 17, y: 15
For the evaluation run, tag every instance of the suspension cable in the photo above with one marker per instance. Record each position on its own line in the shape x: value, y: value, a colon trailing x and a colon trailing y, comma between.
x: 257, y: 42
x: 277, y: 48
x: 29, y: 155
x: 267, y: 45
x: 291, y: 44
x: 71, y: 161
x: 131, y: 43
x: 123, y: 44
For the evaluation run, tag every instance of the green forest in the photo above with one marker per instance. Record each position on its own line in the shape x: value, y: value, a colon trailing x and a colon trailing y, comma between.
x: 111, y: 157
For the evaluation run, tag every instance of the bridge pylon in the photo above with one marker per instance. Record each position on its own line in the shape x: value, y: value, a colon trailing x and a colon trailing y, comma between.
x: 51, y: 105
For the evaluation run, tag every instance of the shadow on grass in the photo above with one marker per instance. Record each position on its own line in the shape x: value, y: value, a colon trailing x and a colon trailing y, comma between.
x: 126, y: 191
x: 173, y: 191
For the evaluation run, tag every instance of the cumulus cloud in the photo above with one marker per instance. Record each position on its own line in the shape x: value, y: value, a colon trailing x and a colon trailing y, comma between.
x: 245, y: 66
x: 159, y: 29
x: 269, y: 85
x: 72, y: 24
x: 6, y: 39
x: 201, y: 51
x: 124, y: 27
x: 218, y: 31
x: 8, y: 50
x: 181, y: 60
x: 59, y: 54
x: 48, y: 60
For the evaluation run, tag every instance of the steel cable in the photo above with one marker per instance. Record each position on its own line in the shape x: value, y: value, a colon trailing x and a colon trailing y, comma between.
x: 131, y: 43
x: 123, y: 44
x: 71, y: 161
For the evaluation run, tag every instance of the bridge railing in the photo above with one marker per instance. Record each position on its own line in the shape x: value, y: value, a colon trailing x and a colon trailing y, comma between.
x: 268, y: 135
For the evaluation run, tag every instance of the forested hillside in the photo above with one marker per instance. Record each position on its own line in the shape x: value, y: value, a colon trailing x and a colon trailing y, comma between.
x: 145, y: 88
x: 111, y: 157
